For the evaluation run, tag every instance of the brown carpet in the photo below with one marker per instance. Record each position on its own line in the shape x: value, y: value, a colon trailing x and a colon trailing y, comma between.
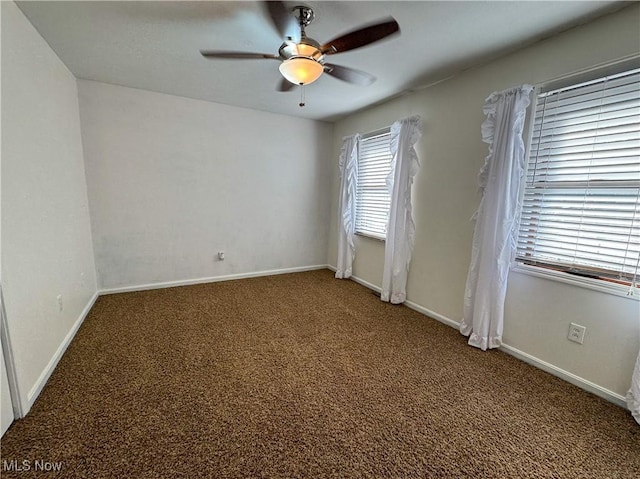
x: 302, y: 375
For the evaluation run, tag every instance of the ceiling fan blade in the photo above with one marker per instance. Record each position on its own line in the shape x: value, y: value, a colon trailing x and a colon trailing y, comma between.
x: 361, y: 37
x: 350, y: 75
x: 237, y: 55
x: 285, y: 85
x: 283, y: 20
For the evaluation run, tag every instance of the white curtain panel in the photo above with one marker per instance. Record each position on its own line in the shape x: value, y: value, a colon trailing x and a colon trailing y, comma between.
x: 494, y: 239
x: 347, y: 205
x: 633, y: 397
x: 401, y: 228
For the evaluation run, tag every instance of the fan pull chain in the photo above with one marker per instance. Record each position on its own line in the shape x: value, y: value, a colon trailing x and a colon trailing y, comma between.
x: 301, y: 95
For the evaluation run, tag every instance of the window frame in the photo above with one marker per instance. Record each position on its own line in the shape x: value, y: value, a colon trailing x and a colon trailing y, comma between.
x: 549, y: 271
x: 363, y: 232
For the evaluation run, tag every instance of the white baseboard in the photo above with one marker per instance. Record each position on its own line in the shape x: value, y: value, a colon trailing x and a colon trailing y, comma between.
x: 372, y: 286
x: 527, y: 358
x: 410, y: 304
x: 211, y: 279
x: 48, y: 370
x: 433, y: 314
x: 567, y: 376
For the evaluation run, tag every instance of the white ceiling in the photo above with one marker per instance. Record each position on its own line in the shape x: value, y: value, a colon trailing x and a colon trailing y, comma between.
x: 155, y: 45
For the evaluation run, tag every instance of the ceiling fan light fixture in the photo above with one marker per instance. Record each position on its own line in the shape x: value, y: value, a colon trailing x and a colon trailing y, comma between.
x: 301, y: 70
x: 307, y: 50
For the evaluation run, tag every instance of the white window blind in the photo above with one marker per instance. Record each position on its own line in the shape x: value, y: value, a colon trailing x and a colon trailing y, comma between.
x: 372, y: 196
x: 581, y: 207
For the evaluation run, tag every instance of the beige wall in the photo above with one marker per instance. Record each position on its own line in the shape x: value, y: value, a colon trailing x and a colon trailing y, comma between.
x: 173, y: 180
x: 46, y: 236
x: 445, y: 196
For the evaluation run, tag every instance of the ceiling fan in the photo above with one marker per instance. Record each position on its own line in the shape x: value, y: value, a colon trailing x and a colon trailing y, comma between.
x: 303, y: 58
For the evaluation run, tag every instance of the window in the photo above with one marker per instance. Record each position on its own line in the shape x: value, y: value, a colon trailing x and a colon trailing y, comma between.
x: 372, y: 197
x: 581, y: 206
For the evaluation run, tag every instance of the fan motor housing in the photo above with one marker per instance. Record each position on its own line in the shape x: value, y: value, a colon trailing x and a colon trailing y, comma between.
x: 307, y: 48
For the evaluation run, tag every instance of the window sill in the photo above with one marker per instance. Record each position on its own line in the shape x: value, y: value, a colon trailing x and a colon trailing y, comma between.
x: 589, y: 283
x: 370, y: 236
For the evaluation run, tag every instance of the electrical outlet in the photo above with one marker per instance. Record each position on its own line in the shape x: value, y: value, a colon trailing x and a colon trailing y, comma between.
x: 221, y: 255
x: 576, y: 333
x: 60, y: 305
